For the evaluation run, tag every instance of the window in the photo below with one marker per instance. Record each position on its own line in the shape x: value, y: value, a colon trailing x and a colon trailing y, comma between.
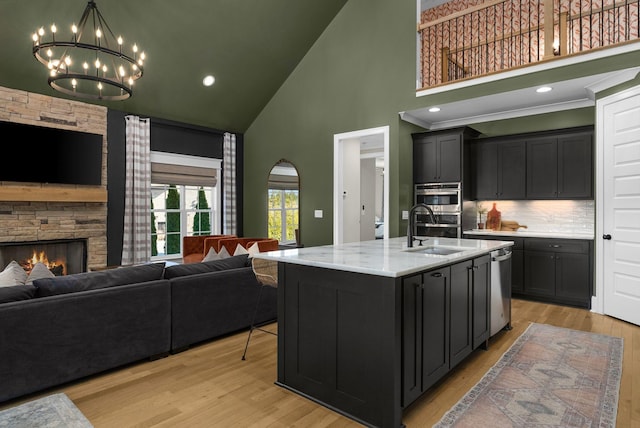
x: 185, y: 201
x: 283, y: 214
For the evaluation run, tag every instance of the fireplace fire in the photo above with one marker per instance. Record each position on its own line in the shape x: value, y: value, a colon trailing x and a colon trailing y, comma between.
x: 62, y: 257
x: 57, y: 267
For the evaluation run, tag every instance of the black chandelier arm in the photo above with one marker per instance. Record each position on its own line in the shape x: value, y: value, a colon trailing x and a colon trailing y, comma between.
x: 123, y: 96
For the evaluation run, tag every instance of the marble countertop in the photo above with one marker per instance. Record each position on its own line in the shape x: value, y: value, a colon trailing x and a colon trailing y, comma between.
x: 385, y: 257
x: 524, y: 233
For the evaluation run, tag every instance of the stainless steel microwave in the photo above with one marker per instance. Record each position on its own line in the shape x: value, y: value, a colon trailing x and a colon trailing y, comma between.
x: 440, y: 197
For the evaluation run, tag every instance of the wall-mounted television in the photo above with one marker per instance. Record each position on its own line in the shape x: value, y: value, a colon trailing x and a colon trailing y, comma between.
x: 50, y: 155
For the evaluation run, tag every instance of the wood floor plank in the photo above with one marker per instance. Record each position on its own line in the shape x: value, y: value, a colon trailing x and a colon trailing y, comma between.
x: 210, y: 386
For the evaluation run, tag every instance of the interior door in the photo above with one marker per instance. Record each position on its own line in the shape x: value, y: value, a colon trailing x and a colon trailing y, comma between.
x: 621, y: 208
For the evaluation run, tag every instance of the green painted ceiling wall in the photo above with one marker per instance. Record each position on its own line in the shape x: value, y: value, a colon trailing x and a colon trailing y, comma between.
x: 359, y: 74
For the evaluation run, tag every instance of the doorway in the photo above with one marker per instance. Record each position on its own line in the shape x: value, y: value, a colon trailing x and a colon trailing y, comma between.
x: 355, y: 158
x: 618, y: 206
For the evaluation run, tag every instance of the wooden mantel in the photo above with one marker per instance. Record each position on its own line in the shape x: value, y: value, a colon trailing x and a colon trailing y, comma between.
x: 52, y: 193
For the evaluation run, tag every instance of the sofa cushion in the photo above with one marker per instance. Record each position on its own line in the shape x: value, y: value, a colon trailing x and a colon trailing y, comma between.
x: 17, y: 292
x: 102, y: 279
x: 12, y: 274
x: 233, y: 262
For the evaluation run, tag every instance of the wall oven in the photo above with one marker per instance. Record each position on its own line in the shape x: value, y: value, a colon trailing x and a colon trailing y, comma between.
x: 445, y: 200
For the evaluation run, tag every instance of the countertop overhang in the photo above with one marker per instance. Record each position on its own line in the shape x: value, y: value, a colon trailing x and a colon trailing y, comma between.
x: 385, y: 257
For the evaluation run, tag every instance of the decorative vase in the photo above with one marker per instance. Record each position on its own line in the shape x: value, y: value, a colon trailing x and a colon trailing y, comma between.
x: 493, y: 218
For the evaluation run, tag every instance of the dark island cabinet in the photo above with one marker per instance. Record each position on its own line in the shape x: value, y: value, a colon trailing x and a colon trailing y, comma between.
x: 426, y: 331
x: 446, y: 316
x: 481, y: 291
x: 437, y: 155
x: 560, y: 167
x: 517, y: 258
x: 499, y: 170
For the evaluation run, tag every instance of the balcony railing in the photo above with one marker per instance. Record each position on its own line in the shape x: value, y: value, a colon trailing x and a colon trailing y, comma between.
x: 500, y: 35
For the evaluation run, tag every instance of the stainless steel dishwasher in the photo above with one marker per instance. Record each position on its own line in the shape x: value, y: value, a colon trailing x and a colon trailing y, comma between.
x: 500, y: 290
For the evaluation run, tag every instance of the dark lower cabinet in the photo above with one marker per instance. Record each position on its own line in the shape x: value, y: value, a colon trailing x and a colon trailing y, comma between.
x: 560, y: 271
x: 445, y: 317
x: 550, y: 270
x: 517, y: 270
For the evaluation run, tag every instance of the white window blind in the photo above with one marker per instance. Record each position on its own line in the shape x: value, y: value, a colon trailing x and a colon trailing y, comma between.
x: 170, y: 168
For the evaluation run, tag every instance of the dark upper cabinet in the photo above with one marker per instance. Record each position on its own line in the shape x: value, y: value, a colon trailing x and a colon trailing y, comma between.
x: 500, y: 170
x: 437, y: 155
x: 543, y: 165
x: 560, y: 167
x: 437, y: 159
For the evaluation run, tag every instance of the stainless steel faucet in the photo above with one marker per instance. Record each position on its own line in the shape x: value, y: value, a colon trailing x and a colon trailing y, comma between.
x: 411, y: 224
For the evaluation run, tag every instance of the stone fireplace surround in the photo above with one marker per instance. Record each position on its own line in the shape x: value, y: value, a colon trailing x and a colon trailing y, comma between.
x: 55, y: 219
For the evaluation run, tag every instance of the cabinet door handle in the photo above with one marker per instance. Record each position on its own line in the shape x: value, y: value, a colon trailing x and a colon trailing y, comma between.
x: 555, y: 246
x: 607, y: 237
x: 436, y: 274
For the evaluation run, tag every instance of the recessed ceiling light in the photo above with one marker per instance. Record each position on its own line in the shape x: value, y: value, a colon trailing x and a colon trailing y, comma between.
x: 434, y: 109
x: 543, y: 89
x: 208, y: 80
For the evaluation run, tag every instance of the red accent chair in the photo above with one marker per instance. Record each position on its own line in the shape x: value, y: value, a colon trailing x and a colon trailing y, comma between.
x: 264, y: 244
x: 194, y: 248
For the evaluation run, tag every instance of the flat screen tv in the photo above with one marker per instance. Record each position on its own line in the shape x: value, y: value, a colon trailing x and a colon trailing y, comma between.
x: 51, y: 155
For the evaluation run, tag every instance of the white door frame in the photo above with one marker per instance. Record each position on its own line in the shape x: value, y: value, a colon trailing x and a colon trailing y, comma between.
x: 338, y: 177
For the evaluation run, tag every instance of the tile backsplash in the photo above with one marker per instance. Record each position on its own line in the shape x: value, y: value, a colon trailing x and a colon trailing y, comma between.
x: 548, y: 216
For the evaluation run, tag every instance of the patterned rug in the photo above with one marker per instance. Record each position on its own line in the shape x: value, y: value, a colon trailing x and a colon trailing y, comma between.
x: 550, y: 377
x: 52, y: 411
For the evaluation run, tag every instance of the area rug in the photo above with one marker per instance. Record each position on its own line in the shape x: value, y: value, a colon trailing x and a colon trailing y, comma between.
x: 52, y: 411
x: 551, y: 377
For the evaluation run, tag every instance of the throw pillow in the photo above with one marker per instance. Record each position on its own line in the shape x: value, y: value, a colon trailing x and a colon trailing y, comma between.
x: 253, y: 249
x: 211, y: 255
x: 40, y: 270
x: 13, y: 274
x: 223, y: 253
x: 240, y: 250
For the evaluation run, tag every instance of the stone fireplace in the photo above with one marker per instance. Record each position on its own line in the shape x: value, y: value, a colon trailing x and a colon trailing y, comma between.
x: 32, y: 213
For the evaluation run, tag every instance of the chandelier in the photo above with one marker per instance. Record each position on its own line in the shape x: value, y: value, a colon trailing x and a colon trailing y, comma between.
x: 93, y: 63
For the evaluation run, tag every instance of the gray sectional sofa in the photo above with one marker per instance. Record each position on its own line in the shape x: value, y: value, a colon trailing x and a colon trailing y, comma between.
x: 65, y: 328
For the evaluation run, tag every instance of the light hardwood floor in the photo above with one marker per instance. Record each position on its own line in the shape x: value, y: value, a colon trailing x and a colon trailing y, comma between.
x: 210, y: 386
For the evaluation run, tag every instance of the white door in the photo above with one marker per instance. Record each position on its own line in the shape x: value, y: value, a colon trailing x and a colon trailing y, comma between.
x: 620, y: 121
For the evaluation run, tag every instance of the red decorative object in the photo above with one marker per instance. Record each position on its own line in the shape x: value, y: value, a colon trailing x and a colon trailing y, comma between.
x: 493, y: 218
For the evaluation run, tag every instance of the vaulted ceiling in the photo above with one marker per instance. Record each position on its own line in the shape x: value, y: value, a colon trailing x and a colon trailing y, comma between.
x: 249, y: 46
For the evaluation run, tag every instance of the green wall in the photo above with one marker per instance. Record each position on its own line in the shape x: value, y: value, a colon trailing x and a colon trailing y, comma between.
x: 359, y: 74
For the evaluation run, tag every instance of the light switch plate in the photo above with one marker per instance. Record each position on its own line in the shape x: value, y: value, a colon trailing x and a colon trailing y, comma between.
x: 405, y: 215
x: 317, y: 213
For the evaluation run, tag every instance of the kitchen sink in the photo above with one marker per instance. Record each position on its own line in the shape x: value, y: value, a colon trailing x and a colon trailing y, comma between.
x: 442, y: 251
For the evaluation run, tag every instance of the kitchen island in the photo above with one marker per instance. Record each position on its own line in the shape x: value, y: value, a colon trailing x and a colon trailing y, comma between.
x: 365, y: 328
